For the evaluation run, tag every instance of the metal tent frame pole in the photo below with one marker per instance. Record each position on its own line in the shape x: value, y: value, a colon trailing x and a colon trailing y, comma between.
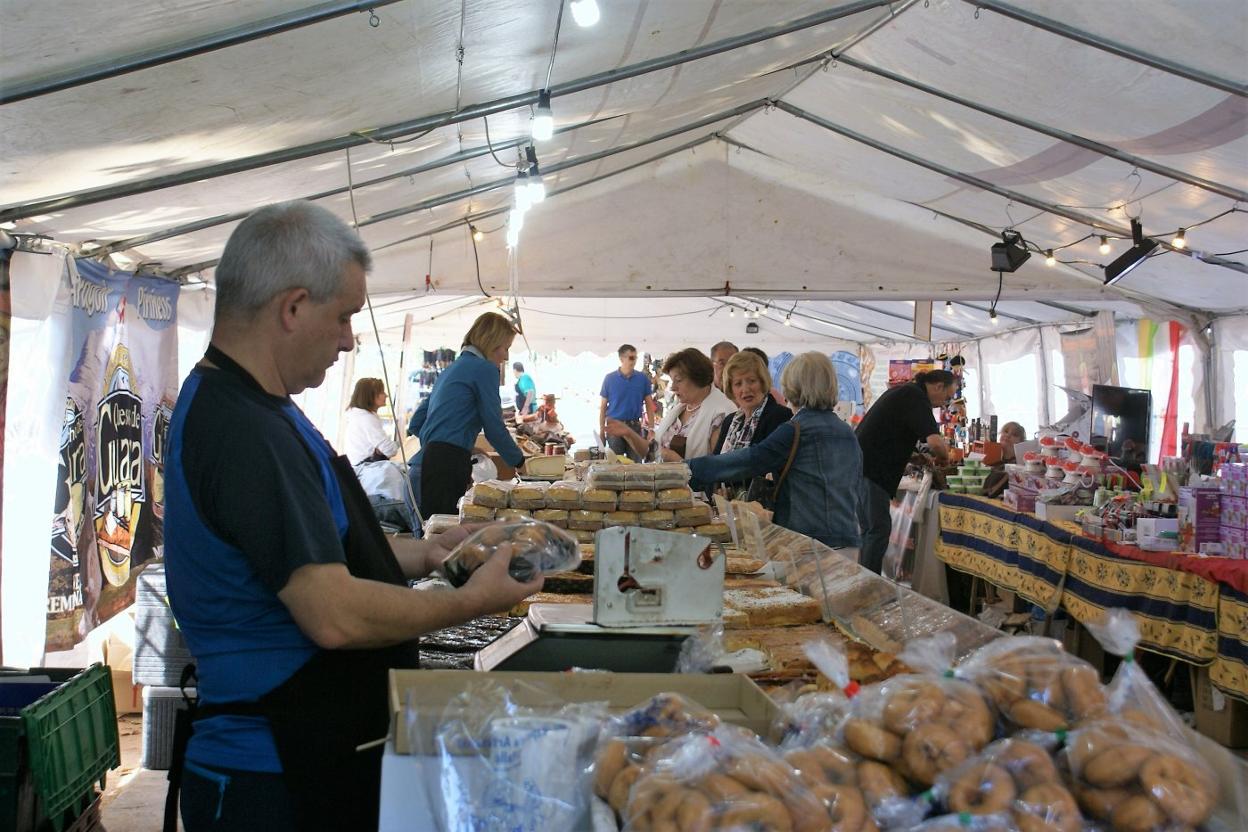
x: 900, y: 317
x: 431, y: 122
x: 1114, y: 48
x: 976, y: 182
x: 1055, y: 133
x: 187, y: 49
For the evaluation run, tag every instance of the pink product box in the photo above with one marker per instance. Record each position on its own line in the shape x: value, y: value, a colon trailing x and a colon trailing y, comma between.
x: 1024, y: 502
x: 1235, y: 543
x: 1234, y: 512
x: 1199, y: 517
x: 1234, y: 479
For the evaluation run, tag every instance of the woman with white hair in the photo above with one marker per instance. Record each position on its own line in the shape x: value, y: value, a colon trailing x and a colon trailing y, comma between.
x: 814, y: 458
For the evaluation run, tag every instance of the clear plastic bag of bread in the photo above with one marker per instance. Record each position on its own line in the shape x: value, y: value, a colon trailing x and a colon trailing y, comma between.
x: 1016, y: 780
x: 1035, y: 684
x: 536, y: 549
x: 503, y: 757
x: 729, y: 780
x: 965, y: 823
x: 813, y: 718
x: 923, y: 724
x: 1133, y: 766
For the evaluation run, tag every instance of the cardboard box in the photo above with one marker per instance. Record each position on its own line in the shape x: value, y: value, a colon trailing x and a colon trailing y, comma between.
x: 1199, y: 517
x: 120, y: 660
x: 1218, y: 716
x: 733, y: 697
x: 1051, y: 512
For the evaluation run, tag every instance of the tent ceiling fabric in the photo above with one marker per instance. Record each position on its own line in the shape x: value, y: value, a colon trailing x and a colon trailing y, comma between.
x: 772, y: 204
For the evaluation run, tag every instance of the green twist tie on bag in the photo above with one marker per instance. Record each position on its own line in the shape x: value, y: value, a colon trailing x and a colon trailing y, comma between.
x: 1061, y: 736
x: 964, y: 818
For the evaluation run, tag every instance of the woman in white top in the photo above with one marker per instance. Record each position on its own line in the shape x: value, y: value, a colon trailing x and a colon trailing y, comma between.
x: 690, y: 427
x: 366, y: 440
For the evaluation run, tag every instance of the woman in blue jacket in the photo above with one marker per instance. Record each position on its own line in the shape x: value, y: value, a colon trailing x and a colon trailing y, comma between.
x: 819, y: 495
x: 463, y: 403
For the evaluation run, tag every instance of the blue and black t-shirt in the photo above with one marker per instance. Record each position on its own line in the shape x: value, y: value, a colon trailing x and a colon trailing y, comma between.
x: 250, y: 497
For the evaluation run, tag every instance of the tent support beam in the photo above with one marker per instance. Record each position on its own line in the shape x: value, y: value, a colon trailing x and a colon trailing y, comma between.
x: 1000, y: 312
x: 900, y: 317
x: 1074, y: 310
x: 494, y: 212
x: 984, y: 185
x: 1052, y: 132
x: 222, y: 219
x: 187, y: 49
x: 1104, y: 44
x: 431, y: 122
x: 829, y: 321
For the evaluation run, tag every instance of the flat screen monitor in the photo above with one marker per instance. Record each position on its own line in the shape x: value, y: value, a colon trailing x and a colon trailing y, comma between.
x: 1120, y: 420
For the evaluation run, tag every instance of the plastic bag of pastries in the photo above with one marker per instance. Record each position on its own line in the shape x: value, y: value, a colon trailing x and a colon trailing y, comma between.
x: 814, y: 717
x: 670, y: 474
x: 509, y: 514
x: 633, y: 500
x: 438, y: 523
x: 598, y: 499
x: 920, y: 724
x: 1131, y: 694
x: 1035, y: 684
x: 529, y: 495
x: 536, y: 549
x: 639, y: 477
x: 729, y: 780
x: 964, y: 823
x: 583, y: 536
x: 472, y: 512
x: 674, y: 498
x: 492, y: 493
x: 1134, y: 777
x: 606, y: 475
x: 585, y: 520
x: 657, y: 519
x: 554, y: 516
x: 717, y: 532
x: 621, y: 518
x: 630, y: 741
x: 564, y: 495
x: 697, y: 514
x: 1015, y: 778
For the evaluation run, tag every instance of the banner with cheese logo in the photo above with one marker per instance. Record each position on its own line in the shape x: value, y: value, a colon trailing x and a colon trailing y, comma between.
x: 109, y: 507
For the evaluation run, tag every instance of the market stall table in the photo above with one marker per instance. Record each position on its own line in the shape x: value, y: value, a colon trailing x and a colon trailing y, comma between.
x: 1191, y: 608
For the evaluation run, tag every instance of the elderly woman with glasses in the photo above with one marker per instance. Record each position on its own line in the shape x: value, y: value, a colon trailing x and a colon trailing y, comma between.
x: 818, y: 493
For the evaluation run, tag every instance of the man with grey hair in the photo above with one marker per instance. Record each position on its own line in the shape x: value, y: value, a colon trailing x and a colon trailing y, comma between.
x: 293, y: 602
x: 720, y: 353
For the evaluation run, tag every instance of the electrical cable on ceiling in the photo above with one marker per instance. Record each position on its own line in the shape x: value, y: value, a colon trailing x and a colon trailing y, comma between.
x: 476, y: 259
x: 489, y: 144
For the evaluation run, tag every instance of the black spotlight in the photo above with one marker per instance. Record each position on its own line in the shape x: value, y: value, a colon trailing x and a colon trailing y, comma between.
x: 1132, y: 257
x: 1010, y: 253
x: 751, y: 328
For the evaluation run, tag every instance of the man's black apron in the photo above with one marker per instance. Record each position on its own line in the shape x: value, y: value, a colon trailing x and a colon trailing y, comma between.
x: 336, y: 702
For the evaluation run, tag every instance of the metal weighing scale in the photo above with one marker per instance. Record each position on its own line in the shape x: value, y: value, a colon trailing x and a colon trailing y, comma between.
x: 652, y: 590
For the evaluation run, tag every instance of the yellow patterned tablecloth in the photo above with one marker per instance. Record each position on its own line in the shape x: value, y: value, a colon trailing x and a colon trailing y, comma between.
x: 1181, y: 614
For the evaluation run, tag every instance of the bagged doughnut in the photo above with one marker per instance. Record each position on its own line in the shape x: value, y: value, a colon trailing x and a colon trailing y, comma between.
x: 729, y: 780
x: 1015, y: 778
x: 1131, y: 694
x: 529, y: 495
x: 492, y: 493
x: 813, y: 718
x: 1138, y: 778
x: 536, y: 549
x: 962, y: 823
x: 564, y: 495
x: 1035, y: 684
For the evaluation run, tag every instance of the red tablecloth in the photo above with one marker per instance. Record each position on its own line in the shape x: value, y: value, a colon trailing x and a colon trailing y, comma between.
x: 1222, y: 570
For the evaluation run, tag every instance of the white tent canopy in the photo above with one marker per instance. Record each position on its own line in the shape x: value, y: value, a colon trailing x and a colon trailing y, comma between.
x: 766, y: 173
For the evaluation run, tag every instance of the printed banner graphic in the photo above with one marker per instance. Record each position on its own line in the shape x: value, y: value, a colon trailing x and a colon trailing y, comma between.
x: 109, y: 508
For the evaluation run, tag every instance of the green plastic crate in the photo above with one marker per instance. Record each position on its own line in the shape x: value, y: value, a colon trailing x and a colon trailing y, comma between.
x: 58, y: 746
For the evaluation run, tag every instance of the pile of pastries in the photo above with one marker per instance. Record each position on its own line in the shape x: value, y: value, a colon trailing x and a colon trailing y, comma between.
x: 1023, y: 736
x: 651, y: 496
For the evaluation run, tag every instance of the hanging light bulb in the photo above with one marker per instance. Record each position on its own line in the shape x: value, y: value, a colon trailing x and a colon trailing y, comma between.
x: 732, y: 311
x: 788, y: 319
x: 992, y: 317
x: 1104, y: 245
x: 948, y: 307
x: 476, y: 233
x: 585, y: 13
x: 1180, y: 239
x: 1049, y: 259
x: 537, y: 187
x: 515, y: 222
x: 543, y: 125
